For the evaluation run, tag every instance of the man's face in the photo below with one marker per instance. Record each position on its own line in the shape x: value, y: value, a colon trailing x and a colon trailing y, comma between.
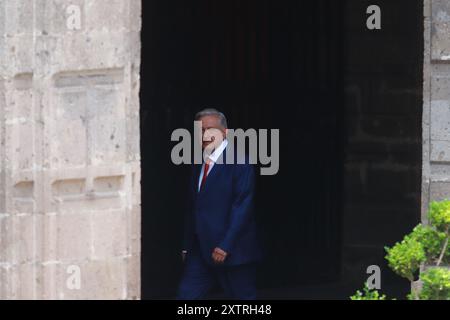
x: 212, y: 132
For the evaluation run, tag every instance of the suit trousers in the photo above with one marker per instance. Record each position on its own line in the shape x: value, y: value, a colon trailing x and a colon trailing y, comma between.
x: 199, y: 277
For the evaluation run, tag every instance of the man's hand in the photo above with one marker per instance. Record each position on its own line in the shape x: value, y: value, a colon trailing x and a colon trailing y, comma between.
x: 183, y: 255
x: 219, y: 256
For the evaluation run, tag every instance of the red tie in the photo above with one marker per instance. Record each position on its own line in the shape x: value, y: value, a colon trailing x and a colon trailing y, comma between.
x: 205, y: 173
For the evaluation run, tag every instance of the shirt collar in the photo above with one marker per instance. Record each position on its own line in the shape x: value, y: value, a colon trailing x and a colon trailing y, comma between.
x: 218, y: 151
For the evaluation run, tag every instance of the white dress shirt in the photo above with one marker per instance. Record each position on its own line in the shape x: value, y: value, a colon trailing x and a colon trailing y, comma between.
x: 213, y: 157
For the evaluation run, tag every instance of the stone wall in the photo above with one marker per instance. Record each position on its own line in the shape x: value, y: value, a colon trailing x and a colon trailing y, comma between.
x: 69, y: 155
x: 436, y: 104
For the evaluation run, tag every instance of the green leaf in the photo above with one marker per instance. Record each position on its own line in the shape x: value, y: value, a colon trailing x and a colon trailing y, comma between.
x: 436, y: 284
x: 368, y: 295
x: 439, y: 215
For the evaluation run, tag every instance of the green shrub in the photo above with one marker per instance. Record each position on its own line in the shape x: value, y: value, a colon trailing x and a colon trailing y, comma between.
x: 427, y: 245
x: 439, y: 215
x: 436, y: 284
x: 406, y: 257
x: 431, y: 240
x: 368, y: 295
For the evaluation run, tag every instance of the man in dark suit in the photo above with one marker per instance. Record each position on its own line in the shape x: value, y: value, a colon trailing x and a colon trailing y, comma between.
x: 220, y: 241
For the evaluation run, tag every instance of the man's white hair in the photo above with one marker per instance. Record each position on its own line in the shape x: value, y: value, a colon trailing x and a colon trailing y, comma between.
x: 212, y: 112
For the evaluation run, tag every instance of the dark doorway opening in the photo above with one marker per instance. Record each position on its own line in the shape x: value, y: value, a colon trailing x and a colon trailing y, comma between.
x: 265, y: 64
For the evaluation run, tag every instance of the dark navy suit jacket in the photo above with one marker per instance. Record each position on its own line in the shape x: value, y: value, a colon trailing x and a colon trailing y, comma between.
x: 221, y: 214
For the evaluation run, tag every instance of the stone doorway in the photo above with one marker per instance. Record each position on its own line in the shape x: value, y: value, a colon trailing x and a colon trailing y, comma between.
x: 351, y: 119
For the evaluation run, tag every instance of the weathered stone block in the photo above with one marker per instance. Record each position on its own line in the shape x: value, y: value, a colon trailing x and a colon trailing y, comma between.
x: 440, y: 86
x: 440, y: 120
x: 109, y: 234
x: 134, y: 220
x: 24, y: 282
x: 440, y: 151
x: 23, y: 245
x: 107, y: 14
x: 18, y: 18
x: 47, y: 235
x: 5, y: 239
x: 439, y: 190
x: 134, y: 279
x: 74, y: 237
x: 106, y: 279
x: 440, y: 30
